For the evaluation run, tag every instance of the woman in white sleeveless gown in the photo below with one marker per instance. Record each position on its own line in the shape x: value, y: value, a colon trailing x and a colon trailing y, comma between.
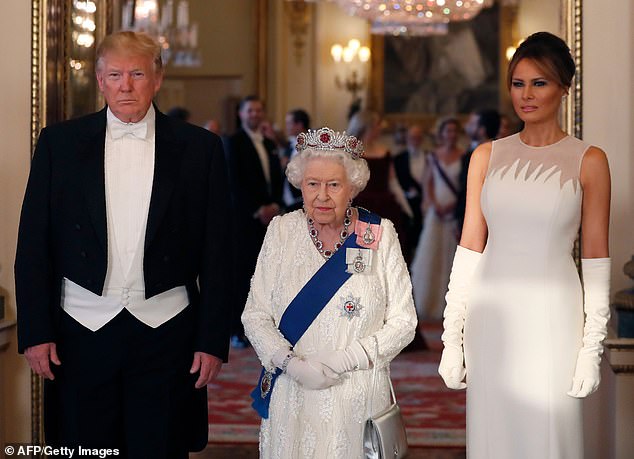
x: 434, y: 252
x: 529, y: 355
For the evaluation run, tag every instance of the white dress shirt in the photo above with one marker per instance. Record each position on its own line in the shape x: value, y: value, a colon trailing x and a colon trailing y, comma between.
x: 129, y: 173
x: 417, y: 164
x: 129, y: 167
x: 258, y: 142
x: 287, y: 192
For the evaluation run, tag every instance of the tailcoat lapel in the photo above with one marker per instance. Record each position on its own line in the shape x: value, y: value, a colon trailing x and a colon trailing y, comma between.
x: 91, y: 154
x: 166, y: 169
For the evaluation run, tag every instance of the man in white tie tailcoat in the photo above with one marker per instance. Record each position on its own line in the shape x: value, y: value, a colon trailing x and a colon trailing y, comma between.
x: 120, y: 281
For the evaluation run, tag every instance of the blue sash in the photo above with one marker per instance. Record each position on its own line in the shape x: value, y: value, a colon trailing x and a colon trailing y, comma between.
x: 305, y: 308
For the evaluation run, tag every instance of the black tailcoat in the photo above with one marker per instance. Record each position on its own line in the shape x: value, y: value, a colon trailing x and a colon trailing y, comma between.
x: 63, y: 227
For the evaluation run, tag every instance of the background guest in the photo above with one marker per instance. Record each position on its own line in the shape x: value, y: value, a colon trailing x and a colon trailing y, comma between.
x: 482, y: 126
x: 382, y: 194
x: 256, y: 188
x: 507, y: 127
x: 410, y: 167
x: 297, y: 121
x: 213, y: 125
x: 432, y: 261
x: 180, y: 113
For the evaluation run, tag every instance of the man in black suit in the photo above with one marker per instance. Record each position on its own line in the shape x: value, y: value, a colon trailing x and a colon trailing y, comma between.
x: 120, y: 276
x: 297, y: 121
x: 409, y: 165
x: 256, y: 185
x: 482, y: 126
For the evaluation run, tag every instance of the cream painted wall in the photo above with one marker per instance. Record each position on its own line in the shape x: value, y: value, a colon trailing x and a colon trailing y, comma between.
x: 279, y: 50
x: 334, y: 26
x: 608, y: 117
x: 538, y: 15
x: 15, y: 116
x: 608, y: 114
x: 291, y: 80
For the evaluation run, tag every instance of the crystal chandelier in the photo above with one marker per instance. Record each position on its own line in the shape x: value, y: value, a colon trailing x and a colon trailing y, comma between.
x: 169, y: 24
x: 412, y: 17
x: 83, y: 38
x: 83, y: 18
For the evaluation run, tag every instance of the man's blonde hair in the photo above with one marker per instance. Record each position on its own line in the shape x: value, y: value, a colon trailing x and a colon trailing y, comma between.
x: 133, y: 43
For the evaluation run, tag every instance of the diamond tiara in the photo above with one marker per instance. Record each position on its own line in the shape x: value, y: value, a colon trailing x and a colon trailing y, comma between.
x: 327, y: 139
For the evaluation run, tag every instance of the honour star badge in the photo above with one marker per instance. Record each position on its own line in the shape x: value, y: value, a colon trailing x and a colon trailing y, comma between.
x: 351, y: 307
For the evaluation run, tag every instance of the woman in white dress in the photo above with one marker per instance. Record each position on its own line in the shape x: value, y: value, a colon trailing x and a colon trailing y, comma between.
x: 515, y: 293
x: 437, y: 244
x: 320, y: 369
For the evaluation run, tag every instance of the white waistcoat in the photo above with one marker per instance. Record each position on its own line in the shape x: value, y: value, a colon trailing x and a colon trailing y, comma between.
x: 129, y: 168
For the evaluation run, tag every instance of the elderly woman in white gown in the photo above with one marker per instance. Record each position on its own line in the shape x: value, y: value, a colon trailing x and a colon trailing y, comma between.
x: 330, y: 299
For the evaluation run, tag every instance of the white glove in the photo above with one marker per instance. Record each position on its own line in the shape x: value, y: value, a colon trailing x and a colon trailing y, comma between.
x: 311, y: 374
x: 596, y: 305
x: 352, y: 358
x: 280, y: 356
x: 452, y: 368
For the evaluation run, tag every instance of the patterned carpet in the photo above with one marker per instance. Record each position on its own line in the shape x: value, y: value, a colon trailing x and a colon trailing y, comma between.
x: 434, y: 415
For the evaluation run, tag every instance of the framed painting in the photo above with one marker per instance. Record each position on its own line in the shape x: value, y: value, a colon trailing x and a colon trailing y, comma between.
x: 418, y: 79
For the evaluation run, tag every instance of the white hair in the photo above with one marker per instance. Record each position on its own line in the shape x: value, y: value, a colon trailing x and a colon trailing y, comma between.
x: 357, y: 170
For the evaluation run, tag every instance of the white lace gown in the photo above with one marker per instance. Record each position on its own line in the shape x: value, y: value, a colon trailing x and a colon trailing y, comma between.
x: 436, y: 247
x: 524, y: 320
x: 326, y: 423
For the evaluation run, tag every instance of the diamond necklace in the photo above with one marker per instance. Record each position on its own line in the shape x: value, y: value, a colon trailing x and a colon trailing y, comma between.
x: 342, y: 236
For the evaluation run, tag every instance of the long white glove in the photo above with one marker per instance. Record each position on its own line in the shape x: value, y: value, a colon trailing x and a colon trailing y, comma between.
x: 452, y: 368
x: 596, y: 305
x: 341, y: 361
x: 310, y: 373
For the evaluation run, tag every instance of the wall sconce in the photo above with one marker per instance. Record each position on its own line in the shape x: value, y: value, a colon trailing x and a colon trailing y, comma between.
x: 510, y: 9
x: 510, y: 50
x: 351, y: 58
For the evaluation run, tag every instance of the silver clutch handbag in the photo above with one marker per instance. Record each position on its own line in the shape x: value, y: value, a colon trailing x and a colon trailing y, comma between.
x: 384, y: 434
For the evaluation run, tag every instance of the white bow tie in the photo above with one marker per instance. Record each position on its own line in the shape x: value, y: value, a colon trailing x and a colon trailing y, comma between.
x: 138, y: 130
